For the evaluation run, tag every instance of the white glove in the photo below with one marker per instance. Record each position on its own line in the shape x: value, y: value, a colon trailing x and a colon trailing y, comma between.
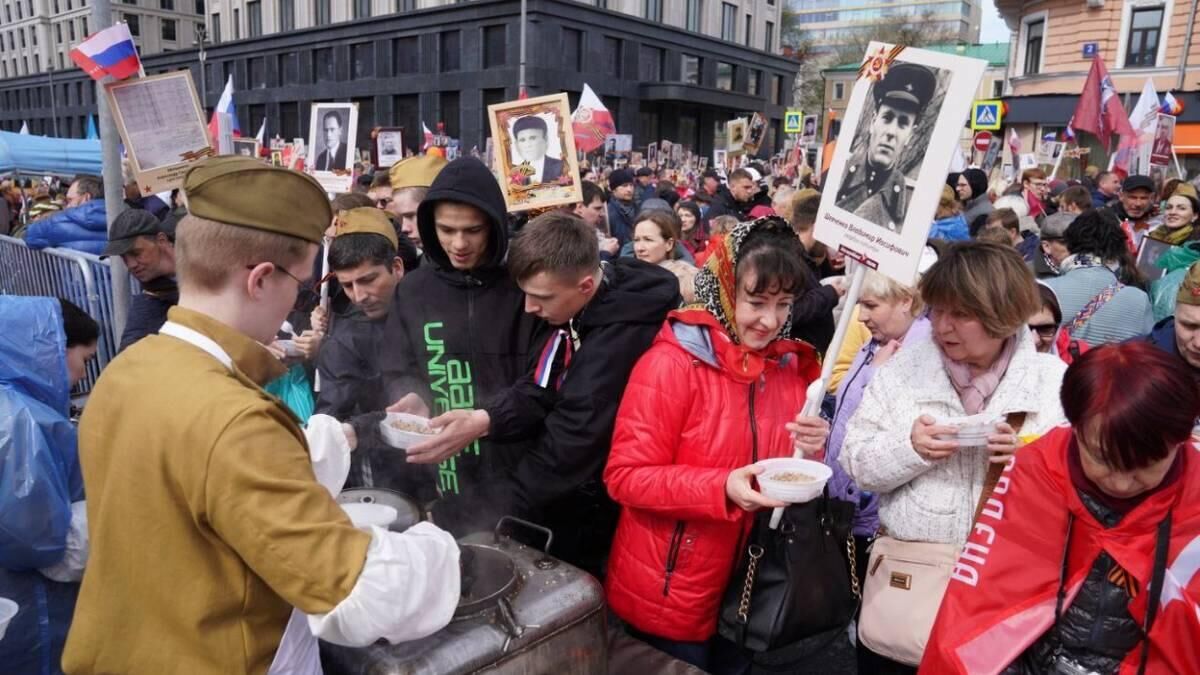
x: 74, y: 560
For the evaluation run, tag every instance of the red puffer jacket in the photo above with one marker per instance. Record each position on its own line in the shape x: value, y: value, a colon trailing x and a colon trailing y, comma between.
x: 696, y: 407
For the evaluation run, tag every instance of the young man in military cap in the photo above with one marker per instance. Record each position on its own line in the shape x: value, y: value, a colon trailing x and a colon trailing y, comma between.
x: 532, y: 139
x: 410, y: 179
x: 208, y: 524
x: 874, y: 187
x: 148, y: 250
x: 1179, y: 335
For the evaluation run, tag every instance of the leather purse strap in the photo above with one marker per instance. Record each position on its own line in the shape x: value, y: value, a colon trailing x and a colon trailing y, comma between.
x: 1016, y: 420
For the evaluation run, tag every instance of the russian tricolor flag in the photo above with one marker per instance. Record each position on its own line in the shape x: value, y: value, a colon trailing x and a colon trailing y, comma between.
x: 109, y: 52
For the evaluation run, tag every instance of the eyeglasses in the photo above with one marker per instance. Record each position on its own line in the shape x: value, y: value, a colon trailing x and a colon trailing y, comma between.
x: 1045, y: 331
x: 302, y: 286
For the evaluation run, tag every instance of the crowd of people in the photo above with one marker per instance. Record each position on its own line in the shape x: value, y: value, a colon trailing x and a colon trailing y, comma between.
x: 615, y: 369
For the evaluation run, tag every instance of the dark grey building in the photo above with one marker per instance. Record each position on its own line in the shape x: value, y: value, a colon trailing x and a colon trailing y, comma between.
x: 448, y: 64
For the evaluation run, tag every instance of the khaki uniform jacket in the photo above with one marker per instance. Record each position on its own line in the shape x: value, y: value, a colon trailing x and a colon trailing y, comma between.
x: 207, y: 523
x: 880, y: 197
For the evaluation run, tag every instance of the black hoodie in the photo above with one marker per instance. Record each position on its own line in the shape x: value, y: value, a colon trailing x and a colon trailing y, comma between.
x: 458, y: 337
x: 557, y: 481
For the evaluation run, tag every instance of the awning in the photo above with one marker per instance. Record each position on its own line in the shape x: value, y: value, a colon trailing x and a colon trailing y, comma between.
x: 1187, y: 139
x: 1056, y: 109
x: 43, y: 155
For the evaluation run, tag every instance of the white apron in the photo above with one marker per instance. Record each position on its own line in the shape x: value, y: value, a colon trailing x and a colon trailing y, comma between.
x: 297, y: 653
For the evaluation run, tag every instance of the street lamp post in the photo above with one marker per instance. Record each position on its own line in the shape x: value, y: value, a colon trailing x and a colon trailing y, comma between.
x: 201, y: 39
x: 53, y: 101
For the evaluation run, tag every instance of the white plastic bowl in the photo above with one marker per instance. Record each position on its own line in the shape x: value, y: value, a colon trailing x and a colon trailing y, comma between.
x: 365, y: 515
x: 788, y: 491
x: 399, y: 438
x: 973, y: 431
x: 8, y: 611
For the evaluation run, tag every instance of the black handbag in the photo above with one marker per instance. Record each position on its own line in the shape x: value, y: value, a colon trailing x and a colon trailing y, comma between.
x: 794, y: 583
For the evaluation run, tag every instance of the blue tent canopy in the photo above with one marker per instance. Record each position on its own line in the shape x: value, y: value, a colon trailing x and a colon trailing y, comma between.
x: 42, y: 155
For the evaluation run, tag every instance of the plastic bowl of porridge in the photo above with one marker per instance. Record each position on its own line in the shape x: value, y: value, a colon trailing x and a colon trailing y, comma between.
x: 402, y: 431
x: 973, y: 431
x: 793, y: 480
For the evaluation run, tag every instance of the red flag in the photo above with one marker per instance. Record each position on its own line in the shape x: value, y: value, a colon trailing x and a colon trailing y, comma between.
x: 591, y: 122
x: 1099, y: 111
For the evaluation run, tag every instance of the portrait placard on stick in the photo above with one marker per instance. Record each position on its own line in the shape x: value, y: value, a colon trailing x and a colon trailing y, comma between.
x: 900, y: 132
x: 389, y: 146
x: 735, y: 136
x: 535, y: 158
x: 162, y: 126
x: 756, y: 133
x: 332, y: 133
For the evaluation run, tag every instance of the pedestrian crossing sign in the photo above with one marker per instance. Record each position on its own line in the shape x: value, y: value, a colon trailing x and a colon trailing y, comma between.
x: 986, y: 115
x: 792, y: 121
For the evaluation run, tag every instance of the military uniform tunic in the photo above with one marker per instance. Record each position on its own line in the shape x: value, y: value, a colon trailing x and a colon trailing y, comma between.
x: 878, y: 195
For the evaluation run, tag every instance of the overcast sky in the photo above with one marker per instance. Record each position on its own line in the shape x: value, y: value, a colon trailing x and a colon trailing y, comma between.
x: 993, y: 28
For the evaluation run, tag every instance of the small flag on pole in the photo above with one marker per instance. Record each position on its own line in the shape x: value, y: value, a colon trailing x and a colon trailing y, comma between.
x: 109, y: 52
x: 591, y: 121
x: 1170, y: 105
x: 224, y: 105
x: 1014, y: 143
x: 262, y: 132
x: 1069, y: 132
x: 428, y: 137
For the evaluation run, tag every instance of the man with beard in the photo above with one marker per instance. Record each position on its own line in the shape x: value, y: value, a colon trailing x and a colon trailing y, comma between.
x: 874, y: 187
x: 147, y: 247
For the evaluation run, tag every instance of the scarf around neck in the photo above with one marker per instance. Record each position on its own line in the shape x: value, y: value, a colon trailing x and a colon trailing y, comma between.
x: 1077, y: 261
x: 1176, y: 237
x: 975, y: 390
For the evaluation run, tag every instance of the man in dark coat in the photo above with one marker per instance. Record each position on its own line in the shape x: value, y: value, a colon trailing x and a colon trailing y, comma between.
x: 531, y: 137
x: 740, y: 197
x: 622, y: 208
x: 606, y: 316
x: 147, y: 247
x: 874, y: 187
x: 333, y: 157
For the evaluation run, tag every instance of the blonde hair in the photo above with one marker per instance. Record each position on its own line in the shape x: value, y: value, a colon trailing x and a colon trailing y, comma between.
x: 208, y: 252
x: 888, y: 290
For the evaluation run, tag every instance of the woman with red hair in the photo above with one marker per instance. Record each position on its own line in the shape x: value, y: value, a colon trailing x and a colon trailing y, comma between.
x: 1085, y: 559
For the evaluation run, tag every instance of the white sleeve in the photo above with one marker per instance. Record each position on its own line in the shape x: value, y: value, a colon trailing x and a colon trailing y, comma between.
x: 330, y: 452
x: 74, y: 560
x: 408, y: 589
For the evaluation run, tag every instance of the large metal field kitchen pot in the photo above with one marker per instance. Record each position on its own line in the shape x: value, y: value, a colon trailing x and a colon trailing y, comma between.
x: 522, y: 612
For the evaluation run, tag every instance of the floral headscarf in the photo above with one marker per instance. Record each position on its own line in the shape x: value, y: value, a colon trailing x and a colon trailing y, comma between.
x: 716, y: 282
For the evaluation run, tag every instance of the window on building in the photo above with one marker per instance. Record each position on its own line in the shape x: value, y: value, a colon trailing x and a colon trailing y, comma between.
x: 57, y: 33
x: 366, y: 120
x: 135, y: 24
x: 406, y: 5
x: 33, y: 35
x: 769, y: 37
x: 490, y: 97
x: 689, y: 69
x: 37, y: 65
x: 257, y: 70
x: 324, y: 65
x: 612, y: 56
x: 839, y: 91
x: 495, y: 46
x: 289, y: 68
x: 754, y: 82
x: 572, y: 45
x: 1145, y: 31
x: 168, y: 5
x: 449, y: 113
x: 406, y: 55
x: 450, y: 52
x: 749, y: 30
x: 602, y: 4
x: 692, y: 15
x: 728, y: 21
x: 168, y: 30
x: 237, y: 24
x: 650, y: 64
x: 200, y: 7
x: 215, y: 27
x: 777, y: 89
x: 360, y: 9
x: 254, y: 18
x: 406, y: 113
x: 287, y: 15
x: 654, y: 10
x: 725, y: 73
x: 1034, y: 31
x: 21, y: 37
x: 997, y: 88
x: 85, y: 25
x: 322, y: 12
x: 362, y: 56
x: 61, y: 61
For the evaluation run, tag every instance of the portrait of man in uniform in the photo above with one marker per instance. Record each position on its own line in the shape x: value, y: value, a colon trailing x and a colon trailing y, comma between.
x: 889, y: 144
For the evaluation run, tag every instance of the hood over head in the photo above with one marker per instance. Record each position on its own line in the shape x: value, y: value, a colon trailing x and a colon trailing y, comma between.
x: 466, y: 181
x: 33, y: 350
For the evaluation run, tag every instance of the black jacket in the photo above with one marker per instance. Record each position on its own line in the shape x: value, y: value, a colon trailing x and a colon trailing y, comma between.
x: 723, y: 204
x: 148, y: 310
x: 459, y: 337
x: 557, y: 480
x: 812, y: 313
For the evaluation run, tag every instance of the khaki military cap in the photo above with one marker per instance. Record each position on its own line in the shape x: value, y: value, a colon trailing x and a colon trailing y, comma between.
x: 416, y: 171
x: 250, y: 193
x: 1189, y: 290
x: 366, y: 220
x: 1186, y: 190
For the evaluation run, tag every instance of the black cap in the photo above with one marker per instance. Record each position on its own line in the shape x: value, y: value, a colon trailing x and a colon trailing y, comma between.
x: 619, y: 177
x: 644, y: 171
x: 1137, y: 182
x: 906, y: 85
x: 131, y: 224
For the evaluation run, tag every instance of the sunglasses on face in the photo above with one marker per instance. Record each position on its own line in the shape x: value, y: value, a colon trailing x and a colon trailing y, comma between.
x: 1045, y: 331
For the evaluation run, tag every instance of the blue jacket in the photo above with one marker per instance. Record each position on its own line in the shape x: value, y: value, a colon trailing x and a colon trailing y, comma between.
x: 1163, y: 337
x: 953, y: 228
x: 39, y: 478
x: 83, y: 228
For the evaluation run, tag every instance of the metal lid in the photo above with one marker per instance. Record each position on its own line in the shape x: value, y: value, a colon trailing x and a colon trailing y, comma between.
x: 408, y: 513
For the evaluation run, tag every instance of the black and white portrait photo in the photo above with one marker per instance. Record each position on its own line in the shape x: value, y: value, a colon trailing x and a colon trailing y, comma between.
x: 889, y: 143
x: 389, y: 147
x: 809, y: 134
x: 245, y: 147
x: 535, y: 160
x: 533, y: 149
x: 332, y: 140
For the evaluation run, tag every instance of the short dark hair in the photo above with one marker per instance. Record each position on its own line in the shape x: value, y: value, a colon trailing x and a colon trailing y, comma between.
x: 351, y: 250
x: 1104, y: 174
x: 1139, y: 399
x: 87, y: 184
x: 80, y: 328
x: 345, y: 201
x: 334, y: 114
x: 773, y: 252
x: 592, y: 192
x: 555, y: 242
x: 740, y: 174
x: 1077, y: 196
x: 1097, y: 232
x: 1006, y: 218
x: 531, y: 122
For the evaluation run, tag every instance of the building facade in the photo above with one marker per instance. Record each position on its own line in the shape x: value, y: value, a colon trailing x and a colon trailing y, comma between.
x: 36, y: 35
x: 830, y: 23
x: 448, y: 63
x: 1053, y: 47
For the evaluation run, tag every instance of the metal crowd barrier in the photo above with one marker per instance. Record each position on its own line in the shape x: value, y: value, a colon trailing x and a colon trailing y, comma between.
x: 82, y: 278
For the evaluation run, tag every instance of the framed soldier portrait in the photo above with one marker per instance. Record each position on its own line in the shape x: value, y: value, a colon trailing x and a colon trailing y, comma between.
x: 535, y: 158
x: 899, y: 135
x: 389, y: 146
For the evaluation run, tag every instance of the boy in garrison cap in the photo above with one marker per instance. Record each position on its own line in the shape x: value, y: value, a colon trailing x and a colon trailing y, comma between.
x: 410, y: 180
x: 532, y: 139
x: 1180, y: 334
x: 874, y: 186
x: 208, y: 524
